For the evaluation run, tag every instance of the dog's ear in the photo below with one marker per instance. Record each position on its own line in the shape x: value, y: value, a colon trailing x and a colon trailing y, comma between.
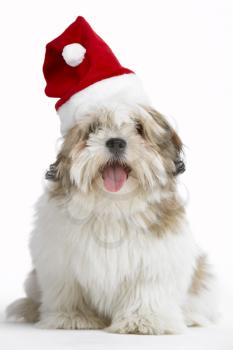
x: 51, y: 173
x: 59, y: 174
x: 178, y: 161
x: 59, y: 171
x: 162, y: 135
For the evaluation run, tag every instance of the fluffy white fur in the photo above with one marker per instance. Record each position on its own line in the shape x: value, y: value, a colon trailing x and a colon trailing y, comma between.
x: 98, y: 265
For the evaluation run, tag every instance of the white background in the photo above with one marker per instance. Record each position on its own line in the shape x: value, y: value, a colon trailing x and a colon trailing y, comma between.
x: 183, y: 52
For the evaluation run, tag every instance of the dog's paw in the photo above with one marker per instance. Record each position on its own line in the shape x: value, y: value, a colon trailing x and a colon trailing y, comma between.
x: 72, y: 320
x: 195, y: 319
x: 133, y: 325
x: 23, y: 310
x: 148, y: 324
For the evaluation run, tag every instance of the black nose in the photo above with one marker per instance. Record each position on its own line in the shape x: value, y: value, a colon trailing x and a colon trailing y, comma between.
x: 116, y: 145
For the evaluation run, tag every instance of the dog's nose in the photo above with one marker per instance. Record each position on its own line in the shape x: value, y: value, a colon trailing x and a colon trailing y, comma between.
x: 116, y: 145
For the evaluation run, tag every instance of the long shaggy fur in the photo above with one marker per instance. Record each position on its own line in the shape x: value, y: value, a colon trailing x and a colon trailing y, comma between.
x: 123, y: 261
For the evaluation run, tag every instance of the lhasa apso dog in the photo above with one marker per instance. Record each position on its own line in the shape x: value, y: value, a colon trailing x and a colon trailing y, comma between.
x: 111, y: 248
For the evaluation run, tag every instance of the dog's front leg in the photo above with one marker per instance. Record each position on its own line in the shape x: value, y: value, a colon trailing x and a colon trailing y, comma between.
x: 63, y: 307
x: 146, y: 308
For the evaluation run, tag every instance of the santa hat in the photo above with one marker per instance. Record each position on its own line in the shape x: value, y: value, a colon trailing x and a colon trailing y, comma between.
x: 83, y: 72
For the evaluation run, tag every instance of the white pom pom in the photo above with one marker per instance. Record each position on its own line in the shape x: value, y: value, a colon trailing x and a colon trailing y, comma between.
x: 73, y: 54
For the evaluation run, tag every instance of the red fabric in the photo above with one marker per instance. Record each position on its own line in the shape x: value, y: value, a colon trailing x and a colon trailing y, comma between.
x: 99, y: 62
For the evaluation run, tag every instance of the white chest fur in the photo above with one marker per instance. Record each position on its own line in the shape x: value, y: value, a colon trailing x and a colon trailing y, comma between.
x: 105, y: 251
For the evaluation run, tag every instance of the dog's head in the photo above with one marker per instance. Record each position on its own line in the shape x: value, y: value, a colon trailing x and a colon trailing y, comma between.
x: 118, y: 152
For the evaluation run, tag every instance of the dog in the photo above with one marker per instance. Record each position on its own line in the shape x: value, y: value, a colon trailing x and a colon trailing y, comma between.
x: 111, y: 246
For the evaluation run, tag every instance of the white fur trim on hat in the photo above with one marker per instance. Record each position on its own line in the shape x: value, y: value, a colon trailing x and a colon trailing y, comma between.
x: 73, y: 54
x: 111, y: 93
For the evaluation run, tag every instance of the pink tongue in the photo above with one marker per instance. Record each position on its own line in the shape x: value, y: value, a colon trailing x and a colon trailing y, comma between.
x: 114, y: 178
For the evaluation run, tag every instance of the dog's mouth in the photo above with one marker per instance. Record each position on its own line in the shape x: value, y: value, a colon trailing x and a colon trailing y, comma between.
x: 114, y: 176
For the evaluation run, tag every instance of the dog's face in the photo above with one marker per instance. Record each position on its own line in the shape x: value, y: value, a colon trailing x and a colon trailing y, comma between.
x: 118, y: 152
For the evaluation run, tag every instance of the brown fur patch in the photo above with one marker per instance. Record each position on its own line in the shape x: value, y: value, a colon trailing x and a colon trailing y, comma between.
x: 170, y: 143
x: 75, y: 138
x: 162, y: 137
x: 201, y: 275
x: 167, y: 216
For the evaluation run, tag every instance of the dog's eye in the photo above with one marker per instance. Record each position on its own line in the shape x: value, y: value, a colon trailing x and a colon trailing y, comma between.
x: 139, y: 128
x: 91, y: 129
x: 94, y: 127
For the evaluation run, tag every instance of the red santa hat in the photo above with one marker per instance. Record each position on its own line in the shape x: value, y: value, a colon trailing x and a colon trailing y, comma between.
x: 82, y: 71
